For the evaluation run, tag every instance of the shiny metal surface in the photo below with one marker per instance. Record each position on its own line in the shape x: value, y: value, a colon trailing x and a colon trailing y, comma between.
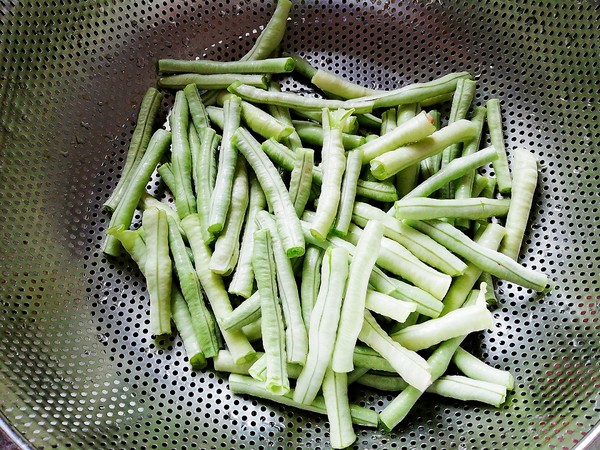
x: 77, y: 367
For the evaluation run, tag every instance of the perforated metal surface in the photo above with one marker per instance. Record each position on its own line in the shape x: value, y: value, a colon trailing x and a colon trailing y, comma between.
x: 77, y: 366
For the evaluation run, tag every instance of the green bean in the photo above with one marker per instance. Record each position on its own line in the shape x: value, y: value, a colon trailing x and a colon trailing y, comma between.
x: 157, y: 269
x: 388, y: 121
x: 335, y: 394
x: 209, y: 98
x: 523, y: 190
x: 380, y: 191
x: 240, y: 384
x: 427, y: 304
x: 246, y: 313
x: 494, y: 119
x: 437, y: 99
x: 228, y: 156
x: 283, y: 156
x: 454, y: 170
x: 324, y: 321
x: 463, y: 388
x: 490, y: 190
x: 215, y: 114
x: 496, y: 263
x: 348, y: 192
x: 236, y: 341
x: 224, y: 362
x: 480, y: 183
x: 334, y: 162
x: 181, y: 157
x: 406, y: 179
x: 489, y: 238
x: 351, y: 319
x: 418, y: 92
x: 296, y: 337
x: 227, y: 246
x: 369, y: 121
x: 312, y: 134
x: 165, y: 171
x: 301, y: 178
x: 202, y: 320
x: 419, y: 244
x: 282, y: 114
x: 204, y: 66
x: 290, y: 100
x: 264, y: 123
x: 422, y: 208
x: 302, y: 66
x: 311, y: 280
x: 288, y: 224
x: 413, y: 130
x: 430, y: 165
x: 185, y: 328
x: 461, y: 102
x: 212, y: 82
x: 123, y: 214
x: 147, y: 201
x: 197, y: 109
x: 271, y: 36
x: 258, y: 370
x: 272, y: 327
x: 392, y: 162
x: 133, y: 242
x: 242, y: 281
x: 315, y: 116
x: 252, y: 331
x: 455, y: 323
x: 338, y: 86
x: 139, y: 142
x: 389, y: 306
x: 478, y: 370
x: 409, y: 365
x: 384, y: 383
x: 204, y: 162
x: 366, y: 357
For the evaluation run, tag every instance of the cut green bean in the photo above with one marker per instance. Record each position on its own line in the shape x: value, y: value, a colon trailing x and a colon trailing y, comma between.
x: 272, y: 35
x: 463, y: 388
x: 224, y: 362
x: 252, y: 331
x: 366, y: 357
x: 334, y: 163
x: 181, y: 157
x: 133, y: 242
x: 498, y: 264
x: 523, y: 189
x: 137, y: 146
x: 212, y: 82
x: 480, y: 183
x: 421, y: 208
x: 165, y: 171
x: 461, y: 286
x: 478, y: 370
x: 147, y: 201
x: 204, y: 66
x: 392, y: 162
x: 454, y: 170
x: 338, y: 86
x: 369, y: 121
x: 389, y: 306
x: 264, y: 123
x: 227, y: 247
x: 348, y: 192
x: 311, y: 280
x: 430, y: 165
x: 312, y: 134
x: 296, y: 337
x: 388, y: 121
x: 380, y: 191
x: 351, y: 319
x: 123, y: 214
x: 282, y: 114
x: 315, y: 116
x: 490, y: 190
x: 494, y: 119
x: 202, y: 320
x: 185, y: 327
x: 290, y: 100
x: 427, y: 304
x: 386, y: 383
x: 335, y: 394
x: 236, y: 341
x: 419, y: 244
x: 302, y: 66
x: 413, y: 130
x: 272, y: 327
x: 215, y: 114
x: 419, y: 92
x: 157, y: 270
x: 246, y: 313
x: 456, y: 323
x: 228, y: 156
x: 258, y: 370
x: 301, y: 178
x: 240, y: 384
x: 204, y: 162
x: 323, y: 324
x: 242, y: 282
x: 409, y: 365
x: 406, y: 179
x: 288, y: 224
x: 197, y: 109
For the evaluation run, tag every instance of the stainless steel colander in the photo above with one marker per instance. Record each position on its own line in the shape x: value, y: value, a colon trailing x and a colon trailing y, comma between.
x: 77, y: 365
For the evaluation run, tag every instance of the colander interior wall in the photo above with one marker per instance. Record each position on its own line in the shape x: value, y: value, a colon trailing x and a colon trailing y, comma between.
x: 77, y: 365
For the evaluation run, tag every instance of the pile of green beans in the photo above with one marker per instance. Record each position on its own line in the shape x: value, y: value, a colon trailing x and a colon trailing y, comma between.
x: 302, y: 253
